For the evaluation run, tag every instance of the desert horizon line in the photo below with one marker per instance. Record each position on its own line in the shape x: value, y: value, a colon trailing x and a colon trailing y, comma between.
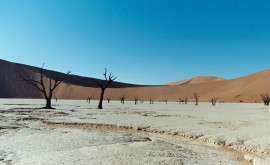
x: 168, y: 83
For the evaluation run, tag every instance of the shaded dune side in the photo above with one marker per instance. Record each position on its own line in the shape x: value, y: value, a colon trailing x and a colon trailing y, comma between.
x: 246, y: 89
x: 11, y: 86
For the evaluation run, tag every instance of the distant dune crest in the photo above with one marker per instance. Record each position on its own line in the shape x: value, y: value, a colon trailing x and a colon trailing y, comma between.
x: 197, y: 80
x: 244, y: 89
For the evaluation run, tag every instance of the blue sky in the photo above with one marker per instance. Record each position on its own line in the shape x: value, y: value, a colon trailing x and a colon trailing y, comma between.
x: 140, y: 41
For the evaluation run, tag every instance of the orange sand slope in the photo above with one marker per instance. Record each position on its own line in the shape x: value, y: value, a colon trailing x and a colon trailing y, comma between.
x: 197, y: 80
x: 247, y: 89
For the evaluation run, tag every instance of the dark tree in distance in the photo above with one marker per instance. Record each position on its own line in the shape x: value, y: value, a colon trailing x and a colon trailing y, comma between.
x: 152, y: 100
x: 265, y: 98
x: 214, y: 100
x: 180, y: 100
x: 136, y: 99
x: 88, y: 100
x: 123, y: 98
x: 56, y: 99
x: 186, y: 100
x: 166, y: 101
x: 196, y: 95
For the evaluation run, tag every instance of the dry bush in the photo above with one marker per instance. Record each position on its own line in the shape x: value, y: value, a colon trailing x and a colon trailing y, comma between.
x: 265, y: 98
x: 214, y: 100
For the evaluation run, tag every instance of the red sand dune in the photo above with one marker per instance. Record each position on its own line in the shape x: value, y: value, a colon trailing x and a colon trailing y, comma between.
x: 197, y: 80
x: 247, y: 89
x: 12, y: 87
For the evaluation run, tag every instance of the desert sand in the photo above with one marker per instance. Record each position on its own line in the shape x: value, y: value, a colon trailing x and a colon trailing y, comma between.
x: 244, y: 89
x: 197, y: 80
x: 78, y: 133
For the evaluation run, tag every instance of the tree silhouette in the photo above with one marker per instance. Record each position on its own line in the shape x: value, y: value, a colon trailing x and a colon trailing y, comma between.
x: 196, y: 95
x: 104, y: 85
x: 88, y: 99
x: 186, y: 100
x: 213, y: 100
x: 265, y: 98
x: 39, y: 85
x: 136, y: 99
x: 123, y: 98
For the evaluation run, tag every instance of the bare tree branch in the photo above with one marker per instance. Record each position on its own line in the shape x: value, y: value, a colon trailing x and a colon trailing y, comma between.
x: 39, y: 85
x: 103, y: 87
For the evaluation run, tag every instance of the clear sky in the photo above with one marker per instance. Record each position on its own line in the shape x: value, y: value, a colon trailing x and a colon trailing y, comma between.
x: 140, y: 41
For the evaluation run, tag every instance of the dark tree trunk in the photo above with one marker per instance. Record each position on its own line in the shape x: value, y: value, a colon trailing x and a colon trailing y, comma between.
x: 48, y: 104
x: 101, y: 99
x: 104, y: 86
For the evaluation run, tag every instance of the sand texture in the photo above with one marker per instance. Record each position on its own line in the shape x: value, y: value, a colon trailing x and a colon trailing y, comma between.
x: 78, y: 133
x: 197, y: 80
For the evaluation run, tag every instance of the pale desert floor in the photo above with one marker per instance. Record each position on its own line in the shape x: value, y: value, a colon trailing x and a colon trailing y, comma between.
x: 78, y: 133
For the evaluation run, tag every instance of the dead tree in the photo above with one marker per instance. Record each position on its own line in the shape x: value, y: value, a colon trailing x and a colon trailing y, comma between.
x: 265, y: 98
x: 108, y: 99
x: 40, y: 86
x: 56, y: 99
x: 213, y: 101
x: 104, y: 85
x: 180, y: 100
x: 136, y: 99
x: 186, y: 100
x: 196, y: 98
x: 152, y: 100
x: 123, y: 98
x: 88, y: 100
